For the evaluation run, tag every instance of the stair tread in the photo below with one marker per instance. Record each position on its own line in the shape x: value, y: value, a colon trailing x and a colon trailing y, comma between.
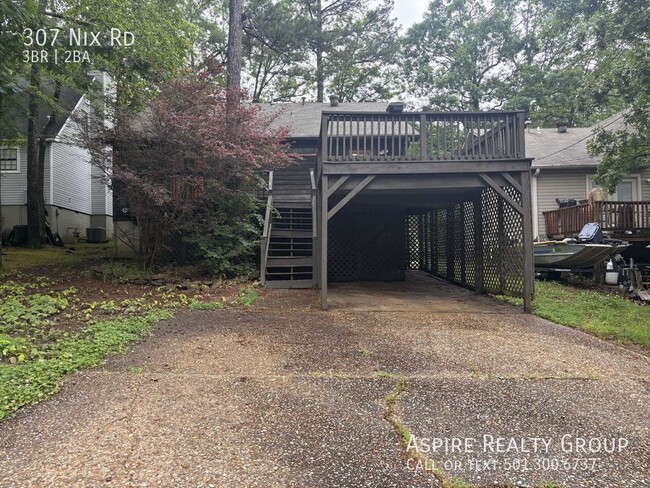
x: 287, y: 262
x: 306, y: 204
x: 290, y: 233
x: 290, y: 283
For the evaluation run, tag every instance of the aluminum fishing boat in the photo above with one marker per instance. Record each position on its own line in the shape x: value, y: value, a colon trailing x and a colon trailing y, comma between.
x: 570, y: 254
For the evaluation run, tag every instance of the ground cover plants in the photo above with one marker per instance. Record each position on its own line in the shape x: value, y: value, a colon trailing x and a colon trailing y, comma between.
x: 59, y: 314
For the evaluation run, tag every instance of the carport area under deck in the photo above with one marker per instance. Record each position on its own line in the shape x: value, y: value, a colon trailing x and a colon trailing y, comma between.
x: 404, y: 242
x: 419, y: 292
x: 445, y: 193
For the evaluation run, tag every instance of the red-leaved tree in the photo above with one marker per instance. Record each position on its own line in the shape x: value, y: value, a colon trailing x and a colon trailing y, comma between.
x: 189, y: 172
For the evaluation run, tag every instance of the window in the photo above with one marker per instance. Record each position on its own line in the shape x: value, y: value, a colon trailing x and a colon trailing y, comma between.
x: 626, y: 191
x: 9, y: 160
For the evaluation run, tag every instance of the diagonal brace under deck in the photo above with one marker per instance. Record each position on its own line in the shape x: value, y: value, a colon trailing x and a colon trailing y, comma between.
x: 331, y: 213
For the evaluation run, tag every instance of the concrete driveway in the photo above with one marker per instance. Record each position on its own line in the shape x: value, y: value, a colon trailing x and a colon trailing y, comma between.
x: 282, y: 394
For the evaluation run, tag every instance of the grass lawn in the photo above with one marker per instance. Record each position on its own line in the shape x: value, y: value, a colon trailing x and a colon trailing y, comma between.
x: 603, y: 314
x: 16, y: 258
x: 58, y: 314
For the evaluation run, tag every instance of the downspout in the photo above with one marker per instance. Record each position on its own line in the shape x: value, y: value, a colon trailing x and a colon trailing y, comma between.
x: 535, y: 207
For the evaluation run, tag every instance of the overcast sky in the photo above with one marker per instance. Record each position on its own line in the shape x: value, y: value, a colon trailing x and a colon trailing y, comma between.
x: 410, y: 11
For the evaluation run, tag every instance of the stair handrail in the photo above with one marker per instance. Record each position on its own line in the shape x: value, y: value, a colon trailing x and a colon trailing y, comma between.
x: 313, y: 204
x: 267, y: 229
x: 269, y: 204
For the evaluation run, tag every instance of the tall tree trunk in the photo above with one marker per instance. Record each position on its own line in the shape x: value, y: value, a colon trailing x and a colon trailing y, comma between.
x: 42, y: 148
x: 2, y: 264
x: 35, y: 200
x: 233, y: 64
x: 320, y: 82
x: 320, y: 76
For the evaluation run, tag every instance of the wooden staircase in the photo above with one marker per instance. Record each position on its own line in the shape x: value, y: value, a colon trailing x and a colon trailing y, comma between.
x: 289, y: 236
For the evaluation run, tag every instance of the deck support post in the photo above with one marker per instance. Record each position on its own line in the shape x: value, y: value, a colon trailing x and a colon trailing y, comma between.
x: 529, y: 270
x: 478, y: 243
x: 501, y: 235
x: 323, y: 242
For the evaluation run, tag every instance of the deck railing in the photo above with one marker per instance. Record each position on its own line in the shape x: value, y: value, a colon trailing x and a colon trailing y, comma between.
x: 422, y: 136
x: 615, y: 217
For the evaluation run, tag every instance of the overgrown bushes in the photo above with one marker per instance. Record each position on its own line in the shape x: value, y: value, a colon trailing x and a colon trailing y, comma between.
x: 188, y: 168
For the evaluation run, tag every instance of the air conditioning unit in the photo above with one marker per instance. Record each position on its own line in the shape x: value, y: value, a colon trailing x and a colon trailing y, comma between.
x: 96, y: 235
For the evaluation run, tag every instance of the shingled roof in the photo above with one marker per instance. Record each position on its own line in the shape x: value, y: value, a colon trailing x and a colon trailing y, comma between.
x: 303, y: 119
x: 552, y: 149
x: 13, y: 121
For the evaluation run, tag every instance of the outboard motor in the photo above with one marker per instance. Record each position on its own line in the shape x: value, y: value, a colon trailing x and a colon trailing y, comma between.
x: 591, y: 233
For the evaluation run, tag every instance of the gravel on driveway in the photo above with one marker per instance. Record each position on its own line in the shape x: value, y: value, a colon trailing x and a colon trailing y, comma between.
x: 282, y: 394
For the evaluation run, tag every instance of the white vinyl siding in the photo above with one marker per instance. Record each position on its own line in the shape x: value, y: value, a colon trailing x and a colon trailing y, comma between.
x: 14, y: 185
x: 100, y: 192
x: 71, y: 178
x: 552, y: 184
x: 77, y: 185
x: 645, y: 186
x: 71, y: 182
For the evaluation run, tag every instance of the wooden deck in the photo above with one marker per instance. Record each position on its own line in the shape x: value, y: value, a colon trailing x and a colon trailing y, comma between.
x: 413, y: 137
x: 630, y: 220
x: 468, y: 168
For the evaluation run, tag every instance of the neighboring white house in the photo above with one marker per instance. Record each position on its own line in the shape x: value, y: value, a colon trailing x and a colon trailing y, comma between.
x: 76, y: 193
x: 563, y: 169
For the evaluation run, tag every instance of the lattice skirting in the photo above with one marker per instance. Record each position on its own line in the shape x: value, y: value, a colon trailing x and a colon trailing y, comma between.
x: 477, y: 243
x: 366, y: 245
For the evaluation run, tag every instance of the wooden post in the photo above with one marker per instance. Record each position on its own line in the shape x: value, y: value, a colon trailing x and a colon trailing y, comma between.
x: 421, y: 241
x: 501, y: 236
x: 323, y: 153
x: 423, y: 138
x: 478, y: 244
x: 323, y: 242
x: 462, y: 245
x: 529, y: 270
x: 449, y: 237
x: 521, y: 135
x: 432, y: 241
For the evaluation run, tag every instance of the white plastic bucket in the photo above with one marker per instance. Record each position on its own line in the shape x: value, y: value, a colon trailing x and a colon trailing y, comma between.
x: 611, y: 274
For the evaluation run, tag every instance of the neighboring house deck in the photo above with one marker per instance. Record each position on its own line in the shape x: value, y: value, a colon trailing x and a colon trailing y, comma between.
x: 380, y: 192
x: 563, y: 169
x: 76, y: 194
x: 629, y: 220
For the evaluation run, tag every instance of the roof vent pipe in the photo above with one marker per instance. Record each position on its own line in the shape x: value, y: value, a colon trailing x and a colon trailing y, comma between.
x: 334, y: 100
